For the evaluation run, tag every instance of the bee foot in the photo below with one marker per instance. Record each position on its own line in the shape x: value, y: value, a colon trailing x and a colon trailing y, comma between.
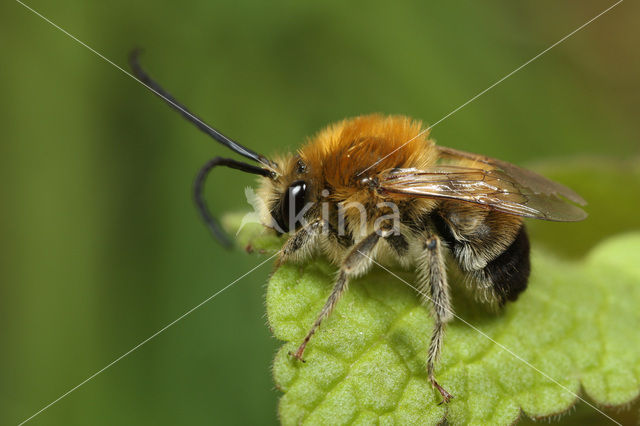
x: 297, y: 355
x: 446, y: 396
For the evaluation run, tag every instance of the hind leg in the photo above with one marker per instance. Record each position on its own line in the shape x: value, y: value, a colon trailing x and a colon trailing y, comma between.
x: 435, y: 289
x: 491, y: 248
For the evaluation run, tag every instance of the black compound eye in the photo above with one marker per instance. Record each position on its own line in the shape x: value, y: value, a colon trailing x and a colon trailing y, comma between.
x: 293, y: 203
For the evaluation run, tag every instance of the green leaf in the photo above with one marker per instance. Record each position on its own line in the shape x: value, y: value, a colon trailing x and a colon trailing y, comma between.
x: 251, y: 236
x: 578, y: 323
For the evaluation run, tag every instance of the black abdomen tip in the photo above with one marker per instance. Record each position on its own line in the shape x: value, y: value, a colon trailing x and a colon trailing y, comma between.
x: 510, y: 271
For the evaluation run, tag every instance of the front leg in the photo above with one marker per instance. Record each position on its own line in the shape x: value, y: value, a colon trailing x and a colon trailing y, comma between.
x: 355, y: 263
x: 433, y: 286
x: 299, y: 245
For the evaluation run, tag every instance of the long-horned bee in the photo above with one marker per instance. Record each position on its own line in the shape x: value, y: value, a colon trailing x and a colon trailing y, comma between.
x: 359, y: 193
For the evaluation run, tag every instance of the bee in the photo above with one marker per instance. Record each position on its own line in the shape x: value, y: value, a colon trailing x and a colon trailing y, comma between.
x: 420, y: 206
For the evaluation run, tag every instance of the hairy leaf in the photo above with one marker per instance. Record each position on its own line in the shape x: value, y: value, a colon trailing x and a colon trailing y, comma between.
x: 577, y: 323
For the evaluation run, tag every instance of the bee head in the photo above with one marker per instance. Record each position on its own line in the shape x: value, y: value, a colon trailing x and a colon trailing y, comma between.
x: 289, y: 198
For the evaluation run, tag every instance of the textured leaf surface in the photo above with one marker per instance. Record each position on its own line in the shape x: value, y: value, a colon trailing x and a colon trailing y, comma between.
x: 251, y: 236
x: 578, y: 323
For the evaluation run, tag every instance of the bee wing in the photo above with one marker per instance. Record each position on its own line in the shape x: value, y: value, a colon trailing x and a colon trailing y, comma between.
x: 490, y: 183
x: 523, y: 177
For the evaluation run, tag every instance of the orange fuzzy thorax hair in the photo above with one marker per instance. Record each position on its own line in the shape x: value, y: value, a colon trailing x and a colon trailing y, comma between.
x: 334, y: 159
x: 339, y: 153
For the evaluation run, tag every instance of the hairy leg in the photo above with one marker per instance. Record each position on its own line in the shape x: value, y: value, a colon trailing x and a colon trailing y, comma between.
x: 355, y: 263
x: 298, y: 246
x: 433, y: 284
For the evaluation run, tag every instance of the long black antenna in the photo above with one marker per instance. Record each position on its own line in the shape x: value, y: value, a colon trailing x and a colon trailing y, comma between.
x: 198, y: 192
x: 195, y: 120
x: 198, y: 187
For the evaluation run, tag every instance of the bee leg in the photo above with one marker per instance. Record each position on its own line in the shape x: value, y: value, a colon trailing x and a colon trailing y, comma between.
x: 299, y: 242
x: 434, y: 287
x: 355, y: 263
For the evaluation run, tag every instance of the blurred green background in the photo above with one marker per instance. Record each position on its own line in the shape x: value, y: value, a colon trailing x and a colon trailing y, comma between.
x: 101, y: 245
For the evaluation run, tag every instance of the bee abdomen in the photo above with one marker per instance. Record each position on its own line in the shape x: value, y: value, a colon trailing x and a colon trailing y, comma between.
x: 504, y: 275
x: 442, y: 228
x: 509, y: 272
